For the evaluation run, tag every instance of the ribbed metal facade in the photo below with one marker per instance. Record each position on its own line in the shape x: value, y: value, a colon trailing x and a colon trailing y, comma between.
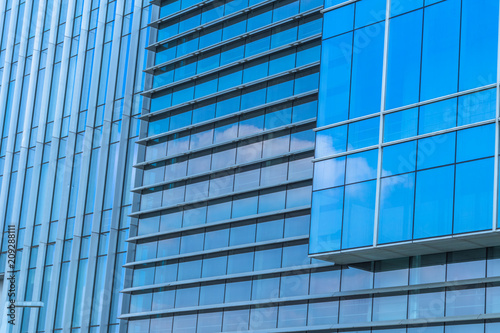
x: 71, y: 77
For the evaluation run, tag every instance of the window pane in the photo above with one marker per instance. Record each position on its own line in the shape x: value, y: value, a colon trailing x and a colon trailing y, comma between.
x: 362, y: 166
x: 464, y: 302
x: 400, y: 125
x: 359, y: 214
x: 331, y: 141
x: 476, y: 107
x: 326, y: 221
x: 363, y: 133
x: 437, y: 116
x: 292, y: 315
x: 329, y: 173
x: 399, y: 158
x: 440, y: 50
x: 396, y: 208
x: 426, y: 305
x: 474, y: 196
x: 335, y: 77
x: 325, y: 313
x: 403, y: 64
x: 476, y: 142
x: 436, y: 151
x: 389, y: 307
x: 478, y: 44
x: 434, y: 202
x: 366, y: 86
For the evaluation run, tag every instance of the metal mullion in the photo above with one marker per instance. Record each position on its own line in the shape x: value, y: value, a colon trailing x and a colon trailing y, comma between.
x: 53, y: 160
x: 497, y: 139
x: 69, y: 163
x: 23, y: 155
x: 85, y: 162
x: 42, y: 246
x: 88, y: 289
x: 124, y: 150
x: 381, y: 126
x: 102, y: 172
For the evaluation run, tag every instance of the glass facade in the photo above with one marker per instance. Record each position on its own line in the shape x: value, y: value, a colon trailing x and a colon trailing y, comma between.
x: 276, y: 166
x: 71, y: 78
x: 406, y: 157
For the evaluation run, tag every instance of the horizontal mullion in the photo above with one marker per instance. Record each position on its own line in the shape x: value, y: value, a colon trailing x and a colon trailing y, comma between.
x: 229, y: 276
x: 227, y: 116
x: 335, y: 295
x: 187, y: 203
x: 232, y: 167
x: 182, y: 11
x: 156, y: 23
x: 416, y: 137
x: 220, y: 223
x: 237, y: 62
x: 150, y: 92
x: 152, y: 47
x: 222, y: 144
x: 235, y: 88
x: 410, y: 106
x: 151, y: 70
x: 219, y: 250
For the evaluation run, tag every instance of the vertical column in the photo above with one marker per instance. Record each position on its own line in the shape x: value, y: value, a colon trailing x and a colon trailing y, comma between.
x: 497, y: 138
x: 381, y: 127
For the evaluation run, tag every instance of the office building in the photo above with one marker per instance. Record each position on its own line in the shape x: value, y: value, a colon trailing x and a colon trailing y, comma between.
x: 401, y: 103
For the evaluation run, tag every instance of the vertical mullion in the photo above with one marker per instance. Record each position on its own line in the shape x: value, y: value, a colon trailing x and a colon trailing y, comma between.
x: 381, y: 127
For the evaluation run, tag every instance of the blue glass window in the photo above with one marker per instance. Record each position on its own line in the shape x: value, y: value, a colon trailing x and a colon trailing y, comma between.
x: 265, y: 288
x: 403, y: 63
x: 399, y: 7
x: 400, y: 158
x: 326, y: 221
x: 338, y: 21
x: 436, y: 151
x: 476, y: 142
x: 359, y: 212
x: 437, y: 116
x: 369, y: 11
x: 361, y: 166
x: 474, y: 196
x: 331, y: 141
x: 478, y: 44
x: 367, y: 61
x: 363, y: 133
x: 476, y: 107
x: 329, y: 173
x: 335, y: 80
x: 400, y: 125
x: 440, y: 50
x: 434, y: 202
x: 396, y: 208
